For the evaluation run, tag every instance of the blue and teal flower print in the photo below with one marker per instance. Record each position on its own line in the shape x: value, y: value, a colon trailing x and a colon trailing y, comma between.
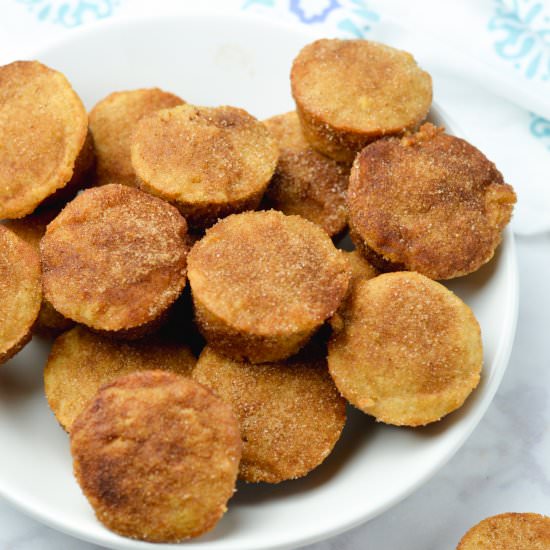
x: 540, y: 128
x: 353, y: 18
x: 312, y: 12
x: 70, y: 13
x: 523, y: 30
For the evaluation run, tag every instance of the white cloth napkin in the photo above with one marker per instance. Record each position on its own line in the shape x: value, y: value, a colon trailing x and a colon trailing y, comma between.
x: 490, y: 61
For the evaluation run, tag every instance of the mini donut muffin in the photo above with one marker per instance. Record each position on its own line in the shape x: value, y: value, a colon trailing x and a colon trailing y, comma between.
x: 112, y: 122
x: 209, y: 162
x: 20, y: 292
x: 290, y: 412
x: 405, y: 349
x: 429, y: 202
x: 263, y: 282
x: 509, y: 531
x: 157, y: 456
x: 351, y: 92
x: 31, y: 229
x: 43, y: 131
x: 115, y: 259
x: 81, y: 361
x: 305, y: 182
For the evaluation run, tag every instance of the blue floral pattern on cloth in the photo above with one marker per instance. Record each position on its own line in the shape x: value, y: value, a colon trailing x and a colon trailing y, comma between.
x: 524, y: 30
x: 70, y: 13
x: 312, y: 14
x: 540, y: 128
x: 352, y: 18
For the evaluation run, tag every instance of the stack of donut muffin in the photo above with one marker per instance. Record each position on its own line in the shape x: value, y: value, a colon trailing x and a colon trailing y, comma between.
x: 207, y: 327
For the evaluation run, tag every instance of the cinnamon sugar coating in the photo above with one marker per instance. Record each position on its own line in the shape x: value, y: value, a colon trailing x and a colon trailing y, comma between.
x: 305, y: 182
x: 405, y: 349
x: 209, y: 162
x: 112, y: 122
x: 43, y: 131
x: 510, y: 531
x: 114, y: 259
x: 428, y: 202
x: 351, y: 92
x: 361, y: 269
x: 81, y: 361
x: 20, y: 292
x: 156, y: 455
x: 290, y: 413
x: 263, y: 282
x: 31, y: 229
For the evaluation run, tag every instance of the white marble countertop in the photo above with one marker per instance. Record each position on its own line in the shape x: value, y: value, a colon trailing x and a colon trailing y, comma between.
x: 504, y: 466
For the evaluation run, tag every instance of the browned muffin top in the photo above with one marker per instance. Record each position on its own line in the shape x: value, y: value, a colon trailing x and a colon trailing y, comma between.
x: 428, y: 202
x: 112, y: 122
x: 157, y: 456
x: 203, y: 159
x: 405, y: 349
x: 81, y: 361
x: 115, y: 258
x: 509, y: 531
x: 290, y: 413
x: 360, y: 85
x: 43, y: 128
x: 267, y: 273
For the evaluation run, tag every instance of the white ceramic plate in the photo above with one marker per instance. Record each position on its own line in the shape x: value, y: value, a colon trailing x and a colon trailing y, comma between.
x: 243, y: 62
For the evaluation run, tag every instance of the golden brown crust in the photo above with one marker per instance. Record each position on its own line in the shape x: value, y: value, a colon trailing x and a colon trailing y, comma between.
x: 112, y: 122
x: 36, y: 164
x: 157, y: 456
x: 31, y: 229
x: 510, y: 531
x: 429, y: 202
x: 263, y: 282
x: 351, y: 92
x: 379, y: 262
x: 405, y: 349
x: 20, y: 292
x: 361, y: 269
x: 209, y: 162
x: 83, y: 174
x: 114, y: 259
x: 81, y: 361
x: 290, y: 412
x: 305, y: 182
x: 50, y: 322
